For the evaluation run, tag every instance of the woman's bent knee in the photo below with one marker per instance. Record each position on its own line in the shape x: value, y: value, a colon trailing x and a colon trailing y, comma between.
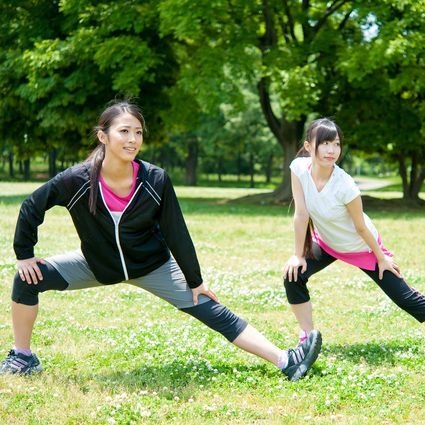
x: 25, y: 293
x: 296, y: 292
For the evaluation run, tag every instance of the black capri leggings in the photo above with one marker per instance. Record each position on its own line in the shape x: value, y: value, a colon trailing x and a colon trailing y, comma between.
x: 407, y: 298
x: 24, y: 293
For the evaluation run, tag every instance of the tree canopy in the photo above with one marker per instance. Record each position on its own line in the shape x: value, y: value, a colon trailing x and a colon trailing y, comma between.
x: 217, y: 77
x: 305, y: 59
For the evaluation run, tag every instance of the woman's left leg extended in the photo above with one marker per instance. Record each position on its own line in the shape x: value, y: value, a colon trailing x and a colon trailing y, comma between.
x: 168, y: 283
x: 406, y: 297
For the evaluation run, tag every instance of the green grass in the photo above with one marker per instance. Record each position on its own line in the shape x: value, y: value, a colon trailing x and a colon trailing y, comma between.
x: 117, y: 355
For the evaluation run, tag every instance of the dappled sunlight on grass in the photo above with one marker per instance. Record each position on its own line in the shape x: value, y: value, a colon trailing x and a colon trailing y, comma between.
x: 118, y: 355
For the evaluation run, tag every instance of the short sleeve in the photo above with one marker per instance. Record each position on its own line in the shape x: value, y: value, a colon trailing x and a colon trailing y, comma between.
x: 350, y: 190
x: 300, y: 165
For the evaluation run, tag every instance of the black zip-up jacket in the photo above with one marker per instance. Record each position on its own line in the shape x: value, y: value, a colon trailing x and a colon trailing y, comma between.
x: 150, y: 227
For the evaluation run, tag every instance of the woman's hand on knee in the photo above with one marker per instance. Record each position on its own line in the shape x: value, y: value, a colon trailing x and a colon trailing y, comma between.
x: 204, y: 290
x: 292, y: 266
x: 29, y: 271
x: 387, y: 263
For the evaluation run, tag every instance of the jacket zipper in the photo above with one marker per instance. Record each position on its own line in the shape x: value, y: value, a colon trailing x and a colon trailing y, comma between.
x: 116, y: 227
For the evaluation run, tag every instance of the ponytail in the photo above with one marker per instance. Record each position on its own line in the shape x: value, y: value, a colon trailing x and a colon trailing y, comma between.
x: 302, y: 153
x: 95, y: 159
x: 308, y: 242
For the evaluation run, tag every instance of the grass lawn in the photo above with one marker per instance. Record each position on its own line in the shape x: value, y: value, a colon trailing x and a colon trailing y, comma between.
x: 117, y: 355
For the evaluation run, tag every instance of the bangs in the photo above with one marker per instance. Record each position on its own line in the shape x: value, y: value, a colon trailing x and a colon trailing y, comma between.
x: 326, y: 133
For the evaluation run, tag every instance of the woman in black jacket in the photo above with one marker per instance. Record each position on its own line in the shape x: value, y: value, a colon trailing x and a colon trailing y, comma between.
x: 131, y: 230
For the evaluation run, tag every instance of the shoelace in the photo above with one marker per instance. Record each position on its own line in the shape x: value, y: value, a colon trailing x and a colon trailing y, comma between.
x: 15, y: 361
x: 298, y: 354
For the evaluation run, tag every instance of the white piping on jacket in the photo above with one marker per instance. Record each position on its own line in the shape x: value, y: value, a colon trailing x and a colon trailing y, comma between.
x: 80, y: 192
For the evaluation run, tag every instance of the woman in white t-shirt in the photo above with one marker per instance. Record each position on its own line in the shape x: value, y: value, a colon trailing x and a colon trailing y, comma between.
x: 330, y: 224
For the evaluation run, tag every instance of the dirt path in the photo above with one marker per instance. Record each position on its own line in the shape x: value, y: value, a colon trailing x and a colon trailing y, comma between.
x: 366, y: 183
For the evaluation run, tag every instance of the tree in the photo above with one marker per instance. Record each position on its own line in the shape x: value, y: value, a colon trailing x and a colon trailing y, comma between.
x: 279, y: 48
x: 73, y: 58
x: 22, y: 24
x: 385, y: 108
x: 309, y: 58
x: 195, y: 66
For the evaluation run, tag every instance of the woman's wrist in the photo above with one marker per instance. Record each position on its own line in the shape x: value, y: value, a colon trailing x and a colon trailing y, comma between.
x: 380, y: 257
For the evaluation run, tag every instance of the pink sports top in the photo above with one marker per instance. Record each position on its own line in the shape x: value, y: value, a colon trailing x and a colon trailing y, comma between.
x: 114, y: 202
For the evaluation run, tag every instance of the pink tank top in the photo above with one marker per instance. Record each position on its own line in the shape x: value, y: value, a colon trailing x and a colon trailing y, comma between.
x: 115, y: 202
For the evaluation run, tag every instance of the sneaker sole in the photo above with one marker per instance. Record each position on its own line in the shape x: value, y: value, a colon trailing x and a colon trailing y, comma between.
x: 32, y: 370
x: 310, y: 358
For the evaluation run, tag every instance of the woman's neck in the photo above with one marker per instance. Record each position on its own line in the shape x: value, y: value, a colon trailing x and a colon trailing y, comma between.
x: 321, y: 175
x: 116, y: 169
x: 119, y: 178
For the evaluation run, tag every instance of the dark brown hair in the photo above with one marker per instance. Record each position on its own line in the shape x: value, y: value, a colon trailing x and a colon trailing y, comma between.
x: 320, y: 131
x: 112, y: 111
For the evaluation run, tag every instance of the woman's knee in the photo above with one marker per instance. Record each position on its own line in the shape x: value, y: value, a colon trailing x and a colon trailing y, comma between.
x: 24, y: 293
x: 296, y: 292
x: 219, y: 318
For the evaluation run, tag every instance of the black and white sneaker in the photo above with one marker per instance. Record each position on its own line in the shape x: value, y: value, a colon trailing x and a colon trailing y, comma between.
x: 20, y: 363
x: 302, y: 358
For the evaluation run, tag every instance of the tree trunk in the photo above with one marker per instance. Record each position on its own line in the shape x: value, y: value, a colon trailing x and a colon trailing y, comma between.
x: 26, y: 169
x: 192, y: 162
x: 11, y: 168
x: 239, y: 166
x: 416, y: 186
x: 417, y: 176
x: 283, y: 192
x: 251, y: 170
x: 219, y: 169
x: 52, y: 162
x: 411, y: 183
x: 269, y: 168
x: 288, y: 135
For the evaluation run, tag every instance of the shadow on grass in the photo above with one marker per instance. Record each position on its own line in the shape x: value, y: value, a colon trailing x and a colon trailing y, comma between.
x: 393, y: 205
x: 374, y: 353
x: 12, y: 199
x: 374, y: 207
x: 177, y: 375
x: 263, y: 205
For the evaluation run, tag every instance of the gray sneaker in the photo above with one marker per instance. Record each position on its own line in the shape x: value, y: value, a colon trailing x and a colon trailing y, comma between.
x: 301, y: 359
x: 20, y: 363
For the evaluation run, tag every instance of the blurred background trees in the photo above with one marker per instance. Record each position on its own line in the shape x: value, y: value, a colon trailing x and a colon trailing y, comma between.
x: 227, y: 86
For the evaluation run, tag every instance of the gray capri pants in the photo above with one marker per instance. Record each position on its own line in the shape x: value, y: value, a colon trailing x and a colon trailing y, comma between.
x: 166, y: 282
x: 67, y: 272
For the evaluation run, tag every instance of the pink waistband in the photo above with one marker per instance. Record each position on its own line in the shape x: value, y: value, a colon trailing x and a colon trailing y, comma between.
x: 364, y: 260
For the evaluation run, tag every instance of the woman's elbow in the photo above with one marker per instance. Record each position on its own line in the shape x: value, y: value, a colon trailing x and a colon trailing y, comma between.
x: 361, y: 229
x: 301, y: 217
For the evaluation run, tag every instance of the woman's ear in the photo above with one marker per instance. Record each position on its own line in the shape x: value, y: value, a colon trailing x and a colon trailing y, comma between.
x: 307, y: 146
x: 101, y: 135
